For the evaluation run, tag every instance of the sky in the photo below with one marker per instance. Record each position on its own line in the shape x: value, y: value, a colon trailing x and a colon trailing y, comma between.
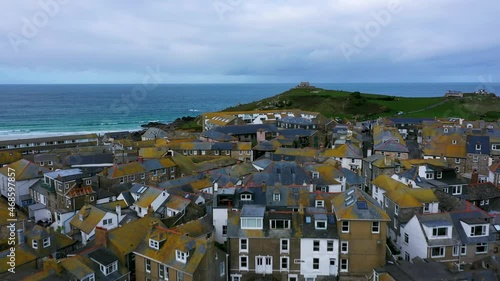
x: 249, y: 41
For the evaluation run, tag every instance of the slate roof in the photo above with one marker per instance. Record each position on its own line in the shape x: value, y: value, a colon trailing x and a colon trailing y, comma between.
x: 438, y: 219
x: 472, y: 141
x: 154, y: 133
x: 103, y: 257
x: 246, y: 129
x: 495, y: 168
x: 24, y: 170
x: 77, y: 267
x: 296, y: 120
x: 297, y: 132
x: 279, y: 173
x: 480, y: 191
x: 149, y: 196
x: 102, y: 158
x: 217, y: 136
x: 346, y: 206
x: 91, y: 215
x: 481, y: 217
x: 391, y: 146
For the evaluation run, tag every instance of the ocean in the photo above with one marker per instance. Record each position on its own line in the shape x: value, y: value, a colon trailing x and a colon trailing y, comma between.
x: 35, y: 110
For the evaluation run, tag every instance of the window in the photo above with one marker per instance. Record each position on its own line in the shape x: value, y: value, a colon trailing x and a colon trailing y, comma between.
x: 344, y: 265
x: 276, y: 197
x: 224, y: 230
x: 163, y: 171
x: 243, y: 245
x: 437, y: 252
x: 110, y: 268
x: 459, y: 249
x: 407, y: 238
x: 148, y: 265
x: 315, y: 245
x: 456, y: 189
x: 345, y: 226
x: 235, y: 277
x: 495, y: 147
x: 455, y: 250
x: 132, y: 178
x: 122, y: 180
x: 315, y: 263
x: 163, y: 272
x: 181, y: 256
x: 463, y: 250
x: 243, y: 263
x: 445, y: 130
x: 284, y: 264
x: 143, y: 176
x: 107, y: 221
x: 454, y: 142
x: 279, y: 224
x: 478, y: 147
x: 427, y: 208
x: 320, y: 203
x: 439, y: 175
x: 475, y: 158
x: 222, y: 268
x: 429, y: 175
x: 396, y: 209
x: 344, y: 247
x: 478, y: 230
x: 407, y: 256
x: 246, y: 197
x: 329, y: 246
x: 46, y: 242
x: 228, y: 152
x: 481, y: 248
x: 284, y: 245
x: 375, y: 227
x: 154, y: 244
x: 216, y: 152
x: 457, y: 160
x: 320, y: 224
x: 251, y: 223
x: 180, y: 276
x: 155, y: 172
x: 34, y: 244
x: 440, y: 231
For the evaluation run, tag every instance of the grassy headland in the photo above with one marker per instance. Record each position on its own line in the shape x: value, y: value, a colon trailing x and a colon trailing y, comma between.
x: 363, y: 106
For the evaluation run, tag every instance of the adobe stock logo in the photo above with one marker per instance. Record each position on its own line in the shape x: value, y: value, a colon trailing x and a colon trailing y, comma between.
x: 31, y: 26
x: 371, y: 29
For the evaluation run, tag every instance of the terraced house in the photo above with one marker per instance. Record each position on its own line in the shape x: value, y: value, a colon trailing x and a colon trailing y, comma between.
x: 164, y: 254
x: 451, y: 148
x: 362, y: 230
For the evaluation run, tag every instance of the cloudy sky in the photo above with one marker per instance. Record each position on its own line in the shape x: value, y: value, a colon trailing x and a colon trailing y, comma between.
x: 229, y: 41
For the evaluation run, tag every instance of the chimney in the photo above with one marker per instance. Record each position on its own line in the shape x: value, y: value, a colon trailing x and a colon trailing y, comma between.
x: 140, y: 159
x: 368, y: 153
x: 311, y: 187
x: 101, y: 236
x: 119, y: 211
x: 20, y: 236
x: 40, y: 173
x: 475, y: 177
x: 216, y: 187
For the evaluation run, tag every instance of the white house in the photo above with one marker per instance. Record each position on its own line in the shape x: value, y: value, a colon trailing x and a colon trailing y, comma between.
x: 89, y: 217
x: 22, y: 174
x: 149, y: 197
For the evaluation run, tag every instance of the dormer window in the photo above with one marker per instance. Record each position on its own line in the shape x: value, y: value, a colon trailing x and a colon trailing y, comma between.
x: 445, y: 130
x: 478, y: 230
x: 440, y: 231
x: 478, y: 147
x: 429, y: 175
x: 439, y: 175
x: 88, y: 182
x: 181, y: 256
x: 154, y: 244
x: 107, y: 270
x: 251, y: 223
x: 246, y: 197
x: 46, y: 242
x: 276, y: 197
x: 320, y: 224
x: 320, y: 203
x: 454, y: 142
x: 315, y: 175
x: 34, y: 244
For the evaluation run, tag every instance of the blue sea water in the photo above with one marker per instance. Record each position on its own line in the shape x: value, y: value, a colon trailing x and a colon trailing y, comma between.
x: 33, y: 110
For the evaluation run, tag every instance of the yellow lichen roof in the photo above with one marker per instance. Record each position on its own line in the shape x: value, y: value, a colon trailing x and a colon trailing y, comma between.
x: 152, y: 152
x: 243, y: 146
x: 167, y: 162
x: 149, y: 196
x: 408, y: 164
x: 76, y: 267
x: 346, y: 206
x: 118, y: 171
x: 90, y: 215
x: 201, y: 184
x: 387, y: 183
x: 177, y: 203
x: 305, y: 152
x: 411, y: 197
x: 127, y: 237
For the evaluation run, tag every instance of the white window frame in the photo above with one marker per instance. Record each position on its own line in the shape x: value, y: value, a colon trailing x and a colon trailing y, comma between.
x: 485, y: 245
x: 441, y: 255
x: 478, y: 147
x: 314, y: 263
x: 147, y: 265
x: 439, y: 175
x: 457, y: 160
x: 484, y: 230
x: 330, y: 245
x: 341, y: 265
x: 46, y: 242
x: 475, y: 158
x: 34, y: 244
x: 318, y: 247
x: 154, y: 244
x: 181, y: 256
x: 375, y: 227
x: 320, y: 222
x: 456, y: 189
x: 345, y: 228
x: 435, y: 232
x: 320, y: 203
x: 246, y: 197
x: 406, y: 238
x: 88, y: 182
x: 287, y: 268
x: 246, y: 261
x: 243, y: 245
x: 344, y: 247
x: 286, y: 243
